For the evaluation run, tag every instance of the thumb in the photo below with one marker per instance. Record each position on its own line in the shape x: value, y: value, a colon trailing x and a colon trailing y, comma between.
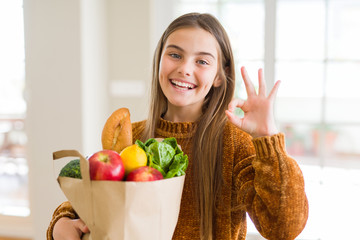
x: 81, y: 226
x: 234, y: 119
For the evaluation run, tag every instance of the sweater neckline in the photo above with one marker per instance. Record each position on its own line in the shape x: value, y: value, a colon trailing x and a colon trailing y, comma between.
x: 176, y: 129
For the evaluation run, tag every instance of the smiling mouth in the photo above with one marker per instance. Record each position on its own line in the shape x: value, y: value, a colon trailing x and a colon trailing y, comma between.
x: 182, y: 85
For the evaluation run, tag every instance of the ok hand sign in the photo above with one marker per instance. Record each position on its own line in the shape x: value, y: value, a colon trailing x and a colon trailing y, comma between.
x: 258, y: 117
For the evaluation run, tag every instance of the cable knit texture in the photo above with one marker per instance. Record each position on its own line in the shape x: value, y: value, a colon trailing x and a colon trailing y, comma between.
x: 259, y: 178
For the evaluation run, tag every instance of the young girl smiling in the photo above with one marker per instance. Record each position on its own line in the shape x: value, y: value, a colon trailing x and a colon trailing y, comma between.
x: 236, y: 165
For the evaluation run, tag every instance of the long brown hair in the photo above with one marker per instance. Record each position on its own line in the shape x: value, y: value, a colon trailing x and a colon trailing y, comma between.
x: 207, y: 155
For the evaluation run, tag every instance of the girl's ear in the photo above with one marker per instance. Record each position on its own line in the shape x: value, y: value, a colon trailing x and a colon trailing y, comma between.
x: 217, y: 82
x: 219, y: 78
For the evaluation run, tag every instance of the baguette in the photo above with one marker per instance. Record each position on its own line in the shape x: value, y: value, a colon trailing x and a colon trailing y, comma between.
x: 117, y: 131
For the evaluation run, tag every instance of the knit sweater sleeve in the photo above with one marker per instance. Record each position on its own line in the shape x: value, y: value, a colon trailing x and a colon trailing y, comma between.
x: 270, y: 186
x: 63, y: 210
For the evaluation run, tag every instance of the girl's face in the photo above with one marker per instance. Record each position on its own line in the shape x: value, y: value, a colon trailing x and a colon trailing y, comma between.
x: 188, y: 68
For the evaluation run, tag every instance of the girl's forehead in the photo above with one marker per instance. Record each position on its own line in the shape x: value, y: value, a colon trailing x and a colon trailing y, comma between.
x: 193, y: 39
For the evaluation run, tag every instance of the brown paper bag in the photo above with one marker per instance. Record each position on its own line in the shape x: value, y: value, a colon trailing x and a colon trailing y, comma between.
x: 119, y: 210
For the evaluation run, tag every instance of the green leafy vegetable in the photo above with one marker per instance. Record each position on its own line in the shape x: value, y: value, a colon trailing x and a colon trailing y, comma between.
x: 165, y: 156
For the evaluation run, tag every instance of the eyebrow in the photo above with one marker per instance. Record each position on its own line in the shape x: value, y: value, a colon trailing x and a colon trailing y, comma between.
x: 180, y: 49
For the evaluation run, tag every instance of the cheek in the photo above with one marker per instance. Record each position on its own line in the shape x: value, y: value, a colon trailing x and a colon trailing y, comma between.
x: 208, y: 77
x: 165, y: 66
x: 163, y: 73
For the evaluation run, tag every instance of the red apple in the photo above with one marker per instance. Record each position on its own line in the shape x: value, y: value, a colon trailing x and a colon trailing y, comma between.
x: 106, y: 165
x: 144, y: 174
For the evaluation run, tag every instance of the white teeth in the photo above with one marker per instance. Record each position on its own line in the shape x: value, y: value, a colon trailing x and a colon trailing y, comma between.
x: 182, y: 84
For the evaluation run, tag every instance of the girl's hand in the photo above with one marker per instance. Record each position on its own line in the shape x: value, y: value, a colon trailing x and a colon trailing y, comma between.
x: 258, y: 117
x: 69, y: 229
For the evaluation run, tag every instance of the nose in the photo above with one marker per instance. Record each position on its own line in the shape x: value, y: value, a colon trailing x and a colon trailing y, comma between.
x: 185, y: 68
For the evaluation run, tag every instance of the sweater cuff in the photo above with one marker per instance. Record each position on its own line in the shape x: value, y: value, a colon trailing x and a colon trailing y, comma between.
x: 49, y: 232
x: 269, y: 145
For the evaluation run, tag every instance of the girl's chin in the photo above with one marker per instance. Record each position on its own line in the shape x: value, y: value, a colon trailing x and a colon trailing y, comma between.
x: 184, y: 103
x: 177, y: 99
x: 178, y: 104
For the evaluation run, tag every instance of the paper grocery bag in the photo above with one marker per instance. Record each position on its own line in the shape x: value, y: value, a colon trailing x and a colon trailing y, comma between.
x: 120, y: 210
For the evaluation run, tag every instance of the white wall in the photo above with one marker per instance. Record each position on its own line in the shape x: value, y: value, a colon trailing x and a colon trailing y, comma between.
x: 94, y: 71
x: 74, y: 50
x: 129, y: 53
x: 54, y: 88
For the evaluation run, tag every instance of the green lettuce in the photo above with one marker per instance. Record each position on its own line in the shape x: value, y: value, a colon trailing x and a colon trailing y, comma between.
x: 165, y: 156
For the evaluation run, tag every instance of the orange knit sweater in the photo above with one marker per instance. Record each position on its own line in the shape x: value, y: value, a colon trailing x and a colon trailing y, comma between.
x: 258, y: 176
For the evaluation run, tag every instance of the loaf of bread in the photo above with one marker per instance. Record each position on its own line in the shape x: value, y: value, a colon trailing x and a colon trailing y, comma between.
x: 117, y: 132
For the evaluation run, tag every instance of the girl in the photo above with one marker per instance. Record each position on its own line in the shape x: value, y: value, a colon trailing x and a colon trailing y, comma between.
x: 236, y: 165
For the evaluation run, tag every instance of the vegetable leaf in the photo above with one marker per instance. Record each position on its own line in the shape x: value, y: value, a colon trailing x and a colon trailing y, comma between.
x: 165, y: 156
x: 141, y: 144
x: 162, y: 154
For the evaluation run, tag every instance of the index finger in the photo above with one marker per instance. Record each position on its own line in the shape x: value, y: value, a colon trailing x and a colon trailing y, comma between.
x: 236, y: 102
